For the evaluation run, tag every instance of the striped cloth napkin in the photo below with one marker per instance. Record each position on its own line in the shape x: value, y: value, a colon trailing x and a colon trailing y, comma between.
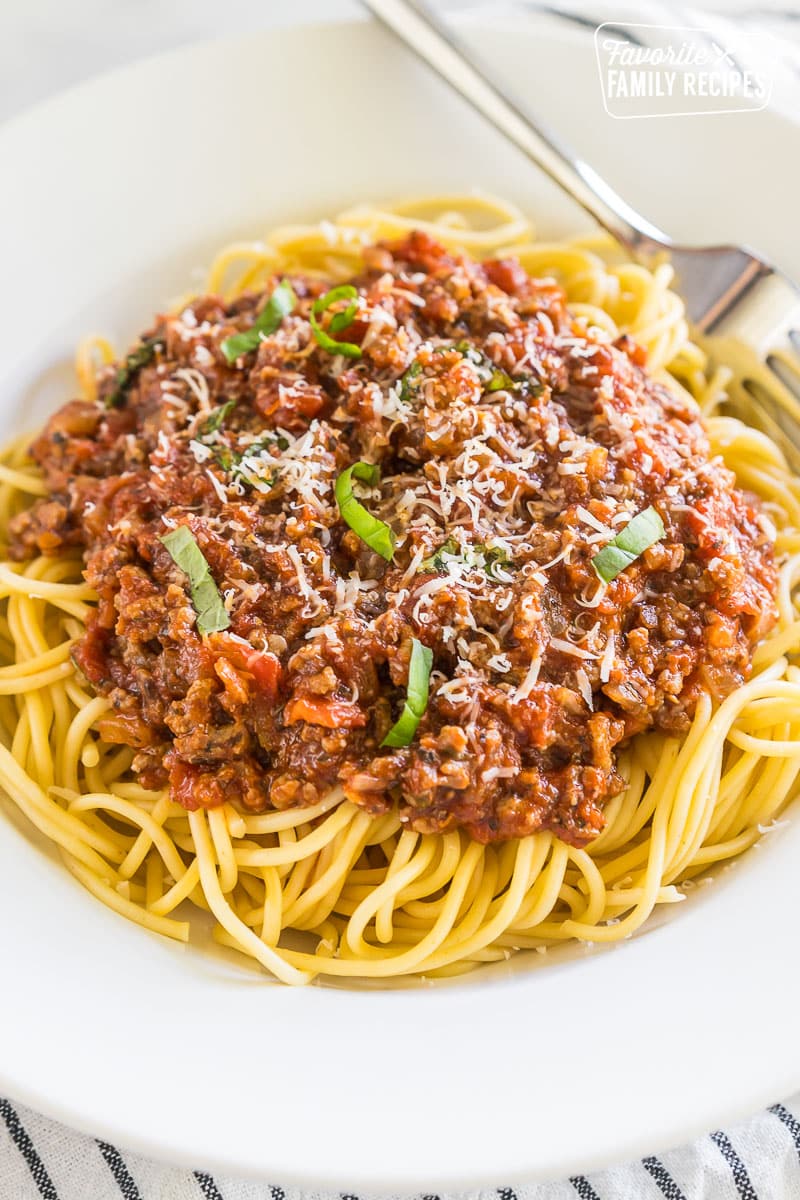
x: 759, y: 1159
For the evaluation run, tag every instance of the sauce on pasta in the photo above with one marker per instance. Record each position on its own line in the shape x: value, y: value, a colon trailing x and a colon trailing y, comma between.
x: 505, y: 443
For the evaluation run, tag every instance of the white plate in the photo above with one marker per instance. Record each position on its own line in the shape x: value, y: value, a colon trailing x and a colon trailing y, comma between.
x: 112, y: 194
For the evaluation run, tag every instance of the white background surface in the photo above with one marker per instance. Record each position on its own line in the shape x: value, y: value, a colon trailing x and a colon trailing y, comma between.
x: 46, y: 45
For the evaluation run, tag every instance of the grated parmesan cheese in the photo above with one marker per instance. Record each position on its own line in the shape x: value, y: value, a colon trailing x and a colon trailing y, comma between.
x: 607, y: 661
x: 531, y: 679
x: 585, y: 687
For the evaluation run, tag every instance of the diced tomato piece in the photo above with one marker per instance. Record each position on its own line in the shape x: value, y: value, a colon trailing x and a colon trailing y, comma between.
x: 507, y: 274
x: 266, y: 670
x: 182, y: 784
x: 319, y: 710
x: 264, y: 667
x: 192, y: 788
x: 91, y: 653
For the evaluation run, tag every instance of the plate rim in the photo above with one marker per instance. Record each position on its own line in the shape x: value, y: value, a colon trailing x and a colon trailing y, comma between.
x: 783, y: 1079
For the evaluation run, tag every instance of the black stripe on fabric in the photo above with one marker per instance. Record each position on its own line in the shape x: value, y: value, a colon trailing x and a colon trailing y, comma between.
x: 122, y: 1176
x: 666, y: 1184
x: 276, y: 1192
x: 791, y: 1123
x: 583, y: 1188
x: 744, y: 1184
x: 207, y: 1186
x: 21, y: 1139
x: 507, y: 1194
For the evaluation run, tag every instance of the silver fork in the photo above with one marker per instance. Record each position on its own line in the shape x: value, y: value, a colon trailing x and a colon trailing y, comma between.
x: 744, y: 312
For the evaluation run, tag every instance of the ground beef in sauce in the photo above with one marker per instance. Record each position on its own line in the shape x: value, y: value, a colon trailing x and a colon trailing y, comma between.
x: 513, y: 444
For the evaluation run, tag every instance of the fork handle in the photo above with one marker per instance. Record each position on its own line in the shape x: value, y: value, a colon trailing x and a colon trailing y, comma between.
x: 414, y: 24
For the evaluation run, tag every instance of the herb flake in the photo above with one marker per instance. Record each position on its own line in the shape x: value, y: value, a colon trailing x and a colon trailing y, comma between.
x: 142, y: 356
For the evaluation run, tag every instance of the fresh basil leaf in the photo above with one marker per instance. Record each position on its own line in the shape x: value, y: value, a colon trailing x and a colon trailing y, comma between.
x: 338, y: 321
x: 377, y: 534
x: 207, y: 602
x: 280, y: 304
x: 643, y: 531
x: 419, y: 675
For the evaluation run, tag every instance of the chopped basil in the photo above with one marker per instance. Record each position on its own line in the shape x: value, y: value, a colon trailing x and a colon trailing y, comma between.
x: 643, y: 531
x: 270, y: 480
x: 215, y: 419
x: 528, y: 386
x: 341, y: 320
x: 407, y: 384
x: 264, y: 442
x: 377, y: 534
x: 501, y: 381
x: 419, y: 674
x: 231, y: 460
x: 463, y: 347
x: 138, y: 358
x: 480, y: 362
x: 223, y: 457
x: 436, y: 560
x: 494, y: 379
x: 493, y: 556
x: 279, y: 305
x: 479, y: 555
x: 338, y: 321
x: 207, y: 602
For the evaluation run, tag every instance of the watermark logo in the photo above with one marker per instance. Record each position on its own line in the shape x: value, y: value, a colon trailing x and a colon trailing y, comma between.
x: 674, y: 71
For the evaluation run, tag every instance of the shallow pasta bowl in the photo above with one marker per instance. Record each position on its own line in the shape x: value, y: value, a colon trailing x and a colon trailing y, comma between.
x: 521, y: 1072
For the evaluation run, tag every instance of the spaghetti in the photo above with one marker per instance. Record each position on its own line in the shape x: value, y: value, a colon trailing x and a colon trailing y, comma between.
x: 337, y: 887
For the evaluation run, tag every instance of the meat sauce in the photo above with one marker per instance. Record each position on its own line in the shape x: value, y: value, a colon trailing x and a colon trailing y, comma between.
x: 514, y: 443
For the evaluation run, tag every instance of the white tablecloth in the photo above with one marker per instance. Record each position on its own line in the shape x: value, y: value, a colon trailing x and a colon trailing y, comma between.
x: 46, y: 45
